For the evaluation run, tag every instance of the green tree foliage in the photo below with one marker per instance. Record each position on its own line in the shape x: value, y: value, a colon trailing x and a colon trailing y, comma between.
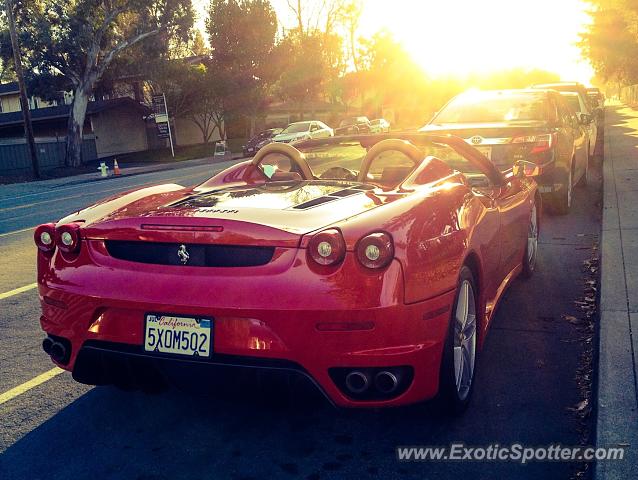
x: 242, y: 39
x: 77, y: 41
x: 611, y: 42
x: 192, y: 92
x: 6, y: 51
x: 198, y: 45
x: 304, y: 68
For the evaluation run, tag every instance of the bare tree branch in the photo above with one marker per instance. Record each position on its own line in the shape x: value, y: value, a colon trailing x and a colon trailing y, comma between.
x: 124, y: 44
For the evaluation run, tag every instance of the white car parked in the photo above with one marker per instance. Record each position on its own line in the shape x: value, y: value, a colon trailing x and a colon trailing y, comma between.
x: 379, y: 125
x: 586, y: 117
x: 304, y: 131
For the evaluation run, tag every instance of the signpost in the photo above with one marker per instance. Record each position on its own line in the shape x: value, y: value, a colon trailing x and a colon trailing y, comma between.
x: 162, y: 121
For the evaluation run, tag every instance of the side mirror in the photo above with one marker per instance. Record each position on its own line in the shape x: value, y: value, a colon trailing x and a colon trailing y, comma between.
x: 523, y: 168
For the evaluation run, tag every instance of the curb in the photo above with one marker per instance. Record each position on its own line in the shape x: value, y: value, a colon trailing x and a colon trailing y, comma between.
x: 617, y: 419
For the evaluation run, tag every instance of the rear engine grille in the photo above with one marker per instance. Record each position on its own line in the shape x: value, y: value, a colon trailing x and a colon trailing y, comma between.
x: 199, y: 255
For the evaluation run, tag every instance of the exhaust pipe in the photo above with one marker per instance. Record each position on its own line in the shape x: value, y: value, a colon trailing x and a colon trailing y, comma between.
x: 47, y: 343
x: 58, y: 352
x: 357, y: 382
x: 386, y: 382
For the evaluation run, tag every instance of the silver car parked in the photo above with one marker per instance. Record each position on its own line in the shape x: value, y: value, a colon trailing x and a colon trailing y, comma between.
x: 304, y: 131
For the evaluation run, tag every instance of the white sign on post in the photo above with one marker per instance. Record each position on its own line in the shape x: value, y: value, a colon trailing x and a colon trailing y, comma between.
x: 162, y: 120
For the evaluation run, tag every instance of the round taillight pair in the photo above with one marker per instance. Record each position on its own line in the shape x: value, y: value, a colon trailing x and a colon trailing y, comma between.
x: 67, y: 237
x: 327, y: 247
x: 44, y: 237
x: 375, y: 250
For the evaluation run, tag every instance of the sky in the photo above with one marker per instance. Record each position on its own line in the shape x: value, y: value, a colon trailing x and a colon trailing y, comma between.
x: 459, y: 37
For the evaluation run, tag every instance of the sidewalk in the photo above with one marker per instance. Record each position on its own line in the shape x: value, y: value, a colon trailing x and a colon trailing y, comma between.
x: 617, y: 423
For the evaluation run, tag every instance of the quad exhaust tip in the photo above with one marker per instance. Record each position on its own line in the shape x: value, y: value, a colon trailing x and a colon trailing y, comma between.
x: 372, y: 383
x: 386, y: 382
x: 56, y: 350
x: 357, y: 382
x: 47, y: 343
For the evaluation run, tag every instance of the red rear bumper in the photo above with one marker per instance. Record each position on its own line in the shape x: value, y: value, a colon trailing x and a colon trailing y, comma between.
x: 269, y: 312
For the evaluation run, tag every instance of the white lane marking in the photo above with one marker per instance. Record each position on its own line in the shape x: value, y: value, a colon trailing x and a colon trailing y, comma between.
x: 16, y: 231
x: 16, y: 291
x: 26, y: 386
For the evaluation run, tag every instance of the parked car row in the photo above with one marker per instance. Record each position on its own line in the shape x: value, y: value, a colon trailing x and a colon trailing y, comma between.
x: 551, y: 125
x: 307, y: 130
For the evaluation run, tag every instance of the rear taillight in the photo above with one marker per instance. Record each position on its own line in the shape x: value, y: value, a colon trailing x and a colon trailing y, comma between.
x: 375, y: 250
x: 44, y: 237
x: 67, y: 237
x: 327, y: 247
x: 539, y: 143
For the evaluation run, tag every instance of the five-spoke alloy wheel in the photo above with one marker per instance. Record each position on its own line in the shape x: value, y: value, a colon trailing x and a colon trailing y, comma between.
x: 460, y: 351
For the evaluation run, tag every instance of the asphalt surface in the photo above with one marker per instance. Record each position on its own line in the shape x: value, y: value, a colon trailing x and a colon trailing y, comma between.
x: 526, y: 382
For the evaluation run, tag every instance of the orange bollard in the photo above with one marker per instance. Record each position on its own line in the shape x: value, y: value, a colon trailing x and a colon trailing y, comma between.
x: 116, y: 168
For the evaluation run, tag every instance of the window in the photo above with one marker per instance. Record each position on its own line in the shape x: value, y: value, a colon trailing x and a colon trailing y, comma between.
x: 567, y: 111
x: 482, y: 107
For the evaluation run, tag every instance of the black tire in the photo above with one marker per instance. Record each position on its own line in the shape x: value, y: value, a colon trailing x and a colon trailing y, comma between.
x: 449, y: 399
x: 529, y: 261
x: 584, y: 180
x: 562, y: 200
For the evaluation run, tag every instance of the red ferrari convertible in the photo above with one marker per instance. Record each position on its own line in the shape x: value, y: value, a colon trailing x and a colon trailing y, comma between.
x: 371, y: 265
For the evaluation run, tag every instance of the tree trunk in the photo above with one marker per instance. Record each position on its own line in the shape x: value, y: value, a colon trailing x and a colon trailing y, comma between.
x: 253, y: 121
x: 76, y: 125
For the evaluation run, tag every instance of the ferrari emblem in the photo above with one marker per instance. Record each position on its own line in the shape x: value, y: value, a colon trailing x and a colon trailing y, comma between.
x: 183, y: 255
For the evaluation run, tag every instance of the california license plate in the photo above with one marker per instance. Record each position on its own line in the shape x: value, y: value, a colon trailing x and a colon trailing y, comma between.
x: 487, y: 151
x: 187, y: 336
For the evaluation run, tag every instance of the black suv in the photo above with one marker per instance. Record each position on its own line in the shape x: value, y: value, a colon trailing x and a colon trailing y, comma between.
x: 353, y: 126
x: 255, y: 143
x: 533, y: 125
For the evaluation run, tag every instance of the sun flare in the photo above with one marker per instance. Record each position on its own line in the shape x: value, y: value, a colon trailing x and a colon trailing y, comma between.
x: 469, y: 36
x: 462, y: 37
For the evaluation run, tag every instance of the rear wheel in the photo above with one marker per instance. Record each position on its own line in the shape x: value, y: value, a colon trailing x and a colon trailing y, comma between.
x: 562, y: 201
x: 584, y: 180
x: 459, y: 352
x: 531, y: 247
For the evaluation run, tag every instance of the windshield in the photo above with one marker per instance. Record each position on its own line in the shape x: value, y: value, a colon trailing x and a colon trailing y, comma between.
x: 388, y: 169
x: 351, y: 121
x: 494, y: 107
x: 297, y: 128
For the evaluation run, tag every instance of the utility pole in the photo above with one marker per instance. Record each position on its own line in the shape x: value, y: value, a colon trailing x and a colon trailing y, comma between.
x: 24, y: 101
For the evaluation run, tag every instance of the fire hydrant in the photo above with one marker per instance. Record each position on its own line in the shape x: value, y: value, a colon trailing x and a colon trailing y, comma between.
x: 104, y: 170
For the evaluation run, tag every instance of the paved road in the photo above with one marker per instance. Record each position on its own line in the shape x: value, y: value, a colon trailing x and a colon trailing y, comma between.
x: 526, y: 382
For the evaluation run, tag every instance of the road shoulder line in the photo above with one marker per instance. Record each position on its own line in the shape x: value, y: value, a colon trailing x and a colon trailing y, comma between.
x: 26, y: 386
x: 17, y: 291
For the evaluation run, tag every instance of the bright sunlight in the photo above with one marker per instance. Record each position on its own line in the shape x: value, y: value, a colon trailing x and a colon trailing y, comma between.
x: 464, y: 37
